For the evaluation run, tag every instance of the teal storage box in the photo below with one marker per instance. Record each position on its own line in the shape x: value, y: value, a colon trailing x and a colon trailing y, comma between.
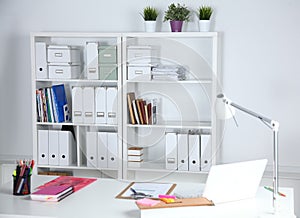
x: 107, y: 54
x: 108, y: 72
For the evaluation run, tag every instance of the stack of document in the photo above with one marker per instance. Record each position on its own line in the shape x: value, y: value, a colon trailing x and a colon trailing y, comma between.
x: 52, y: 193
x: 168, y: 72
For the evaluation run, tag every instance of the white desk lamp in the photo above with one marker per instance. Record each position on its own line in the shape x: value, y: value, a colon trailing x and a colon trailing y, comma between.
x: 272, y: 124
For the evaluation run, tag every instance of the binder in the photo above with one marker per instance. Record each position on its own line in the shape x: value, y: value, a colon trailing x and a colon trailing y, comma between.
x: 53, y: 147
x: 100, y: 101
x: 77, y: 105
x: 60, y: 103
x: 194, y: 153
x: 102, y: 150
x: 66, y: 148
x: 112, y: 150
x: 43, y: 153
x: 183, y: 152
x: 171, y: 151
x: 88, y: 105
x: 41, y: 70
x: 91, y: 149
x: 206, y: 152
x: 111, y: 105
x: 92, y: 60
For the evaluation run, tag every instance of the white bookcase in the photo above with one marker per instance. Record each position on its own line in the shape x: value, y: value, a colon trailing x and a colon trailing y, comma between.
x: 79, y: 130
x: 183, y: 106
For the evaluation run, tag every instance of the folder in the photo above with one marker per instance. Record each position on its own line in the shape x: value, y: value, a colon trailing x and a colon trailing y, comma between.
x: 194, y: 152
x: 91, y: 149
x: 112, y: 150
x: 88, y: 105
x: 171, y: 151
x: 111, y: 105
x: 66, y: 148
x: 102, y: 150
x: 60, y: 103
x: 100, y: 101
x: 77, y: 105
x: 53, y: 147
x: 183, y: 152
x: 41, y: 68
x: 92, y: 60
x: 206, y: 152
x: 43, y: 153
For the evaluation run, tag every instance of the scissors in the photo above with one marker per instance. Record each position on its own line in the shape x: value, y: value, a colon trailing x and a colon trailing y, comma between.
x: 138, y: 195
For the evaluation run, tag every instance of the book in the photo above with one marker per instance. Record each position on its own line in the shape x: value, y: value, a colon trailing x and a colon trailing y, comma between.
x: 76, y: 182
x: 135, y: 158
x: 135, y: 151
x: 139, y: 106
x: 130, y: 98
x: 135, y: 110
x: 52, y: 193
x: 60, y: 102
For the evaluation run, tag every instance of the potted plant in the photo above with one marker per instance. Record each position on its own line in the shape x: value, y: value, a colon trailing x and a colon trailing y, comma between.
x: 149, y: 15
x: 204, y: 15
x: 176, y: 14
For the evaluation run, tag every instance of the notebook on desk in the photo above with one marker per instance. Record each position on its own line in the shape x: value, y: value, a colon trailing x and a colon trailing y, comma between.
x: 235, y: 181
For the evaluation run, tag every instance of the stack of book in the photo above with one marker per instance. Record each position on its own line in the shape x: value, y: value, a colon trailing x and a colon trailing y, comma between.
x: 141, y: 111
x: 164, y: 72
x: 135, y: 156
x: 52, y: 193
x: 51, y: 104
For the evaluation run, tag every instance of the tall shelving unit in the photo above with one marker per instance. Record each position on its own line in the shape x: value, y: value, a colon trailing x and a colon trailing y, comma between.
x: 184, y: 106
x: 79, y: 129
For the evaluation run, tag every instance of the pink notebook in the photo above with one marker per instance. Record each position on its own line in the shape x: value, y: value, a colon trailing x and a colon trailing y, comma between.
x: 52, y: 190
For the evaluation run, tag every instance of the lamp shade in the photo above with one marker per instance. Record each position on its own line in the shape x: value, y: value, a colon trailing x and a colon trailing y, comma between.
x: 223, y: 109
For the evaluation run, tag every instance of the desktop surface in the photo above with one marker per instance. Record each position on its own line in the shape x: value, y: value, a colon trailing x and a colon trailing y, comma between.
x: 98, y: 199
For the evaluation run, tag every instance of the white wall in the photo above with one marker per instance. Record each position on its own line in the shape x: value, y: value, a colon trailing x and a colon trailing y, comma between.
x: 260, y: 66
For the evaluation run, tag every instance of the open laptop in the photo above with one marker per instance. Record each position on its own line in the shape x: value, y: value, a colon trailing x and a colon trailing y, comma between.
x: 234, y: 181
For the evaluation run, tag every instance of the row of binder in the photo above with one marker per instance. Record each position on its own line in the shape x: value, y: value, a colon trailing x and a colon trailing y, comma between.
x: 56, y: 148
x: 51, y: 104
x: 102, y: 149
x: 188, y: 152
x: 94, y: 105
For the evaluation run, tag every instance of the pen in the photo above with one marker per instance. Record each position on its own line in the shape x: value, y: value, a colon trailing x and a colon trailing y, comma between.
x: 271, y: 189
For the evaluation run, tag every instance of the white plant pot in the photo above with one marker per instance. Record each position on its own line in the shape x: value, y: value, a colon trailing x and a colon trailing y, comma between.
x: 150, y: 26
x: 204, y: 25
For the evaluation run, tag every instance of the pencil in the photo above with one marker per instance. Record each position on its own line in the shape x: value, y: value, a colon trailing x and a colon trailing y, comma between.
x: 271, y: 189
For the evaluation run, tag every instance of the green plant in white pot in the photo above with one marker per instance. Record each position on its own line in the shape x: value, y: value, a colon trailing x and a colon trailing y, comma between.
x: 176, y: 14
x: 204, y: 15
x: 150, y: 15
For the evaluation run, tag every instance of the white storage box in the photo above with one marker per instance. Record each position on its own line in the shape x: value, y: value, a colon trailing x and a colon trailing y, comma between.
x: 139, y: 54
x: 66, y: 71
x: 63, y: 54
x: 139, y: 72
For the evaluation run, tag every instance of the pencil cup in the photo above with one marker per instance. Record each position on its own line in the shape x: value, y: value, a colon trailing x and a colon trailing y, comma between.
x: 21, y: 185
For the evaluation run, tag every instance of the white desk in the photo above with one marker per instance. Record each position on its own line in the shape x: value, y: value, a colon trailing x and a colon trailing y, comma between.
x: 98, y: 200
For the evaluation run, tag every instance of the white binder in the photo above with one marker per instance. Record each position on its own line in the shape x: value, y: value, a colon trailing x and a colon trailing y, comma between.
x: 100, y: 101
x: 43, y: 153
x: 102, y: 150
x: 171, y: 151
x: 194, y: 151
x: 92, y: 60
x: 111, y: 105
x: 183, y: 152
x: 206, y: 152
x: 41, y: 68
x: 88, y: 105
x: 112, y: 150
x: 91, y: 149
x: 66, y: 148
x: 77, y: 105
x: 53, y: 147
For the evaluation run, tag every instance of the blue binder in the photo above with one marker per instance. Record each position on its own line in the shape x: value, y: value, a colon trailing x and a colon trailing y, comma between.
x: 60, y: 103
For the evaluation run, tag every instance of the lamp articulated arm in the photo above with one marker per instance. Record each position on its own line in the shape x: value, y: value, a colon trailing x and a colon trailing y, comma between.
x: 272, y: 124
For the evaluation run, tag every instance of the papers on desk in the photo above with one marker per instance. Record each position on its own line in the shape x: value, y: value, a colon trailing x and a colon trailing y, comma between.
x: 151, y: 190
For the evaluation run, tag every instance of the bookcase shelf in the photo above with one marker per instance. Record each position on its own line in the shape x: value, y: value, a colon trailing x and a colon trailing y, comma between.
x: 183, y: 106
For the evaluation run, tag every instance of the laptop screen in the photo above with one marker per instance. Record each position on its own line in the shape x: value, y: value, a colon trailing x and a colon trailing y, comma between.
x: 234, y: 181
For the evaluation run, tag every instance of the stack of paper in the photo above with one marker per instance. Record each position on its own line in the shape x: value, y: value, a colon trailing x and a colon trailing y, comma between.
x: 52, y: 193
x: 166, y: 72
x: 135, y: 156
